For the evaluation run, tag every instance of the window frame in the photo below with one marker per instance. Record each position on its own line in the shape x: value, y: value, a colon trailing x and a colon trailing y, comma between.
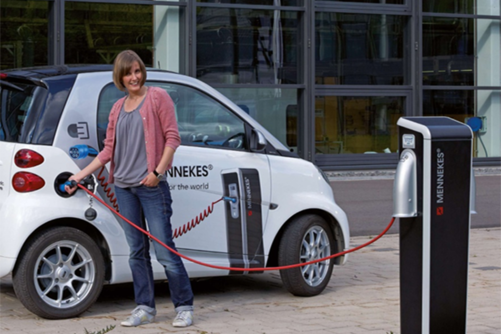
x: 361, y: 161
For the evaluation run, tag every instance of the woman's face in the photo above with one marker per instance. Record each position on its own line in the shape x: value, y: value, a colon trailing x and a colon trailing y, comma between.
x: 132, y: 80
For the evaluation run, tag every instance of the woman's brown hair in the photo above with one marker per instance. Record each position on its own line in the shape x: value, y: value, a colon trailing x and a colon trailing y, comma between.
x: 122, y: 65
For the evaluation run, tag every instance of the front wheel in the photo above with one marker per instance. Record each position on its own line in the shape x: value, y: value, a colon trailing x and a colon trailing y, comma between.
x: 305, y: 239
x: 60, y: 273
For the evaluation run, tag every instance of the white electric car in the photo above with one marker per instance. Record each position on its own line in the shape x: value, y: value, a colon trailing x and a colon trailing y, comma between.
x: 61, y: 249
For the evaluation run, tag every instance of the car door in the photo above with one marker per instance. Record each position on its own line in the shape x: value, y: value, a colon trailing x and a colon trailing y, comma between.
x: 220, y: 190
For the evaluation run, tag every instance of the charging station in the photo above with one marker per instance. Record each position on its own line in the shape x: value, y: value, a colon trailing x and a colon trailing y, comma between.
x: 431, y: 198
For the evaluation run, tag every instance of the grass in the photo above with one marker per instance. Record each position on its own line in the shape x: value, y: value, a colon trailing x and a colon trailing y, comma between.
x: 102, y: 331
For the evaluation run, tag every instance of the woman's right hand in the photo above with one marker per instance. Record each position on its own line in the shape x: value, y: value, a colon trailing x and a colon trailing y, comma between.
x: 91, y: 168
x: 71, y: 190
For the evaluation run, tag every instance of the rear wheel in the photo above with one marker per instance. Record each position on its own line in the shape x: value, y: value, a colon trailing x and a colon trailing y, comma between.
x: 60, y: 273
x: 305, y: 239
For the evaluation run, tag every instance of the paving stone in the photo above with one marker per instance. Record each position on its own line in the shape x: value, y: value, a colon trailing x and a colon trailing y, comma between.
x: 362, y: 297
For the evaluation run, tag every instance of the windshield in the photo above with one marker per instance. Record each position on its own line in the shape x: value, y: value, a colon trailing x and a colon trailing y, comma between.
x: 16, y: 107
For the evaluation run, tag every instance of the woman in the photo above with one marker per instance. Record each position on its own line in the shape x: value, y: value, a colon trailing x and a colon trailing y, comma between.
x: 141, y: 139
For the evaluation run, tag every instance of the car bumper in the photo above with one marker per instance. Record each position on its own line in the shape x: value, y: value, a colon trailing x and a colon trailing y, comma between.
x: 6, y: 265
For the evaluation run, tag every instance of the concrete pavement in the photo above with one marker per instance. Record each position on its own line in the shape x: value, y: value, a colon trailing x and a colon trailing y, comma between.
x: 362, y: 297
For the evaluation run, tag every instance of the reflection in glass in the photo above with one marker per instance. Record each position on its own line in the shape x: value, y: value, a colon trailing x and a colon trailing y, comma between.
x: 488, y: 44
x: 391, y: 2
x: 259, y: 2
x: 488, y: 7
x: 457, y: 104
x: 24, y: 40
x: 357, y: 124
x: 275, y: 109
x: 247, y: 46
x: 97, y: 32
x: 483, y: 7
x: 487, y: 141
x: 449, y: 6
x: 464, y: 104
x: 448, y: 51
x: 359, y: 49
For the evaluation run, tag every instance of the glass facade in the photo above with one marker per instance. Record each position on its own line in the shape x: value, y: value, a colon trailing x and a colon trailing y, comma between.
x: 462, y: 68
x: 96, y: 32
x: 258, y: 2
x: 392, y: 2
x: 357, y: 124
x: 328, y: 78
x: 486, y: 7
x: 359, y: 49
x: 247, y: 46
x: 24, y: 33
x: 448, y: 51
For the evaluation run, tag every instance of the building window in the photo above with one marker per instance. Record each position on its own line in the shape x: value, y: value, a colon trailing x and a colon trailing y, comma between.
x: 258, y: 2
x: 448, y: 51
x: 462, y: 105
x: 357, y: 124
x: 487, y: 138
x: 387, y: 2
x: 247, y: 46
x: 359, y: 49
x: 463, y: 50
x: 24, y: 31
x: 97, y: 32
x: 483, y: 7
x: 457, y: 104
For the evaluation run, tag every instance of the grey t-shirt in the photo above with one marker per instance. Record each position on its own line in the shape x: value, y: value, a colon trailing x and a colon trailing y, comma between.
x: 130, y: 149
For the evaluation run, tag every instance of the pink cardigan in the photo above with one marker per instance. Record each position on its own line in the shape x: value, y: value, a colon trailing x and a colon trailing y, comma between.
x: 160, y: 129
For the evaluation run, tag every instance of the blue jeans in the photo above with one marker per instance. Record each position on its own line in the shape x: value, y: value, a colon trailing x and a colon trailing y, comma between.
x: 154, y: 204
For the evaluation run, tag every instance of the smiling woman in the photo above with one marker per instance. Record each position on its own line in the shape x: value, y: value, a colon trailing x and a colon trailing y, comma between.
x: 141, y: 138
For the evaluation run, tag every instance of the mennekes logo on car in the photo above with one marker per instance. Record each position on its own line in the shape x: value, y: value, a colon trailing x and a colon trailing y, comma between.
x: 190, y: 171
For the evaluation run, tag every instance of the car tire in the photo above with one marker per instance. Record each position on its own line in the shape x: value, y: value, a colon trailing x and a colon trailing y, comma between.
x: 305, y: 239
x: 60, y: 273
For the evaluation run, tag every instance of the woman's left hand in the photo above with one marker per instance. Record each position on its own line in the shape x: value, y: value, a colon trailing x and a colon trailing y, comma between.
x: 150, y: 180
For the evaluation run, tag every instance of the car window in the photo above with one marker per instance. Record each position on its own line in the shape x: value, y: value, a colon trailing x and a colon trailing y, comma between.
x: 16, y: 106
x: 109, y: 95
x: 30, y: 113
x: 202, y: 120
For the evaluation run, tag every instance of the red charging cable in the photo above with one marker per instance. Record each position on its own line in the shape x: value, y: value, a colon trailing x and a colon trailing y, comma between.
x: 194, y: 222
x: 240, y: 269
x: 107, y: 188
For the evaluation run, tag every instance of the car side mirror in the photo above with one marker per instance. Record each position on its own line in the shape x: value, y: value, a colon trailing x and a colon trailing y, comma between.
x: 257, y: 141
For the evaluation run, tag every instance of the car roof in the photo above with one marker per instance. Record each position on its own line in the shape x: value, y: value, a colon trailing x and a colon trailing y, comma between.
x: 42, y: 72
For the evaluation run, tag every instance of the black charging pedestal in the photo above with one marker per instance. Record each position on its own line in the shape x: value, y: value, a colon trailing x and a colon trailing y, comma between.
x: 432, y: 200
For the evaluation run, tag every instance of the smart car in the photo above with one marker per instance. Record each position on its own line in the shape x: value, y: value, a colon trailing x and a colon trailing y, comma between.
x: 62, y: 249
